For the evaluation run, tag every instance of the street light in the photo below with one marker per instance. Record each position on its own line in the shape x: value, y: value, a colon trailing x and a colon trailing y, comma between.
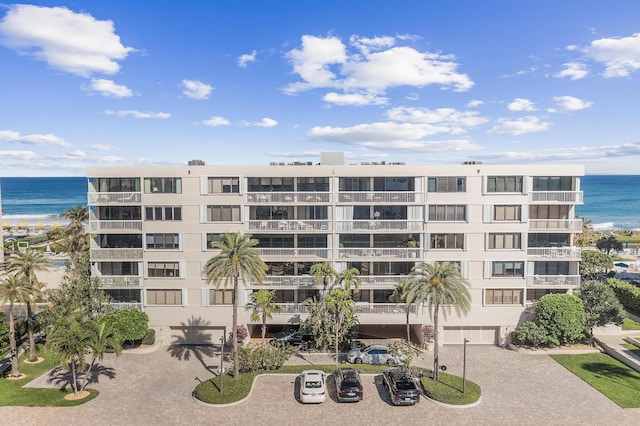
x: 464, y: 366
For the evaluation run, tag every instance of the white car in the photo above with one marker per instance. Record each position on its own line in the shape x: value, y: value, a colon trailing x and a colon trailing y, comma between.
x: 313, y: 386
x: 373, y: 354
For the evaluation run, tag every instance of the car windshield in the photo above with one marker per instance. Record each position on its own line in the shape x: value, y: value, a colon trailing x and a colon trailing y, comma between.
x: 350, y: 383
x: 313, y: 384
x: 405, y: 385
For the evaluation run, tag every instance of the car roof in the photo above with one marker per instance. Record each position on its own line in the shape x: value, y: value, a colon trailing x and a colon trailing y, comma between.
x: 313, y: 372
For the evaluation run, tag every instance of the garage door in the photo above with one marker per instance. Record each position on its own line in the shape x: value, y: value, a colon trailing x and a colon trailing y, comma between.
x: 475, y: 335
x: 196, y: 335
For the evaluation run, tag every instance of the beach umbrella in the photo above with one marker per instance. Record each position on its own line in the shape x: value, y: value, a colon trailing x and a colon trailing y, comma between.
x: 7, y: 224
x: 22, y: 224
x: 38, y: 224
x: 56, y: 224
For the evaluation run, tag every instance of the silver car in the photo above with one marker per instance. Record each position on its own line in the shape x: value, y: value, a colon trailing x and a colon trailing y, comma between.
x: 372, y: 354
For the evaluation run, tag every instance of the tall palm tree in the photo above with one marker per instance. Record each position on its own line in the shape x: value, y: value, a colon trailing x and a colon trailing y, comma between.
x: 440, y: 285
x: 262, y: 306
x: 13, y: 290
x: 74, y: 236
x: 238, y: 260
x: 340, y: 307
x: 402, y: 293
x: 103, y: 336
x: 348, y: 278
x: 323, y: 273
x: 26, y: 264
x: 71, y: 339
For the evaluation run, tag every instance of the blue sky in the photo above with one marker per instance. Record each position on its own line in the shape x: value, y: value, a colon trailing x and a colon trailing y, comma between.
x: 115, y: 82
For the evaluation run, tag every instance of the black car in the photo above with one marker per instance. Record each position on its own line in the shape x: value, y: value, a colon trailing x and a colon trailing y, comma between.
x: 402, y: 385
x: 348, y: 385
x: 292, y: 338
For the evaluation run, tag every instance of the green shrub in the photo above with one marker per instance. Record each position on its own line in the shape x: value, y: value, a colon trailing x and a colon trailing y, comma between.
x: 131, y: 324
x: 149, y: 337
x: 530, y: 333
x: 562, y: 316
x: 4, y: 333
x: 627, y: 293
x: 263, y: 357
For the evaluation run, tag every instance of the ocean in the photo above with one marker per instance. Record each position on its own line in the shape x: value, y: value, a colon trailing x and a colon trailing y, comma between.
x: 610, y: 201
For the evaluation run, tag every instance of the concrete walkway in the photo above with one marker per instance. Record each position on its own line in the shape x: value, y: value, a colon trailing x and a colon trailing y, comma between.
x: 612, y: 344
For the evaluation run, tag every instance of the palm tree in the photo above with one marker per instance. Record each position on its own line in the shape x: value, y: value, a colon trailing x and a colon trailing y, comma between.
x: 323, y: 272
x: 440, y: 285
x: 341, y: 308
x: 402, y: 293
x: 238, y: 260
x: 26, y: 264
x: 74, y: 236
x: 13, y: 290
x: 103, y: 336
x: 348, y: 278
x: 262, y: 305
x: 71, y: 339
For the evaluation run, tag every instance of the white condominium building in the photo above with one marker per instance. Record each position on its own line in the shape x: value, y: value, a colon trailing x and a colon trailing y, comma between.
x: 509, y: 228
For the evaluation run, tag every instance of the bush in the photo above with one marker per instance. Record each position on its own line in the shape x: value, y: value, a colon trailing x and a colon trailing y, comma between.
x: 562, y: 316
x: 242, y: 332
x: 263, y: 357
x: 131, y: 324
x: 4, y: 333
x: 530, y: 334
x: 149, y: 337
x: 627, y: 293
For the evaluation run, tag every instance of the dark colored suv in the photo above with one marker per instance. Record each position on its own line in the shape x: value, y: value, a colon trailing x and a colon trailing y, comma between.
x: 348, y: 385
x: 402, y: 385
x: 293, y: 338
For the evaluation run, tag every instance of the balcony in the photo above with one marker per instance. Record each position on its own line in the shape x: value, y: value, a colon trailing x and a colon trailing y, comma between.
x: 379, y: 225
x: 118, y: 281
x: 288, y: 225
x: 319, y: 254
x: 567, y: 225
x: 559, y: 253
x: 116, y: 253
x: 286, y: 281
x: 553, y: 280
x: 293, y: 308
x: 385, y: 308
x: 556, y: 197
x: 115, y: 225
x: 101, y: 198
x: 385, y: 197
x: 380, y: 281
x: 288, y: 197
x: 385, y: 253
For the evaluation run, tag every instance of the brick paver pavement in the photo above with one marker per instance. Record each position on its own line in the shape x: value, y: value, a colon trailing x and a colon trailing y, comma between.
x: 155, y: 389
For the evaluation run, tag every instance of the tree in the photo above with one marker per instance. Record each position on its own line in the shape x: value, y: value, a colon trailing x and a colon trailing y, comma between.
x: 323, y: 272
x: 318, y: 322
x: 262, y: 305
x: 563, y: 316
x: 130, y: 324
x: 348, y: 278
x: 402, y: 293
x: 238, y: 260
x: 13, y: 290
x: 440, y: 286
x: 26, y: 264
x: 73, y: 238
x: 594, y: 263
x: 601, y: 306
x: 586, y: 237
x: 102, y: 336
x: 341, y: 308
x: 609, y: 244
x: 71, y: 340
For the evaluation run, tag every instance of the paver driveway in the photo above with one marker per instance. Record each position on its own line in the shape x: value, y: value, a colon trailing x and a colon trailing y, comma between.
x: 155, y: 389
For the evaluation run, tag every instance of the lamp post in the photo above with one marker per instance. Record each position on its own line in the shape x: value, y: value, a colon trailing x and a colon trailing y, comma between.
x: 221, y: 371
x: 464, y: 366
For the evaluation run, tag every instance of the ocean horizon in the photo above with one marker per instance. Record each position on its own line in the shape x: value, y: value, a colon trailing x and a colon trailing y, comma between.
x: 610, y: 201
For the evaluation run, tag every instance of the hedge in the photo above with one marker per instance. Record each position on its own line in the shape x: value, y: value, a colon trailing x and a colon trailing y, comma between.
x: 627, y: 293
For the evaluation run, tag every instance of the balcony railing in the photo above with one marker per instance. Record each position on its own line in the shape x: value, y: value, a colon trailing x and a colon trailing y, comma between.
x: 379, y: 225
x: 116, y: 253
x: 127, y: 305
x: 293, y: 308
x: 385, y: 197
x: 552, y: 280
x: 564, y: 253
x: 297, y: 253
x: 362, y: 308
x: 559, y: 197
x: 117, y: 225
x: 288, y: 197
x: 395, y: 253
x: 108, y: 281
x: 570, y: 225
x: 380, y: 281
x: 287, y: 281
x: 289, y: 225
x: 98, y: 198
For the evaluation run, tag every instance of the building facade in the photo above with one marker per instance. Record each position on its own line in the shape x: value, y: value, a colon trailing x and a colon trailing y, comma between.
x: 510, y: 229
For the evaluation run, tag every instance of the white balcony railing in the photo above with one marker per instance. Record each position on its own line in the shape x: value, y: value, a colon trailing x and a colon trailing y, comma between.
x: 384, y: 225
x: 98, y: 198
x: 289, y: 225
x: 108, y: 281
x: 288, y: 197
x: 297, y: 253
x: 380, y: 281
x: 395, y: 253
x: 569, y: 225
x: 362, y: 308
x: 556, y: 197
x: 116, y: 253
x: 117, y: 225
x: 287, y: 281
x: 385, y: 197
x: 552, y: 280
x: 564, y: 253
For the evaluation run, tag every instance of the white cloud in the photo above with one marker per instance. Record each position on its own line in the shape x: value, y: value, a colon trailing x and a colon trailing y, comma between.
x: 196, y: 89
x: 216, y: 121
x: 571, y: 103
x: 573, y: 70
x: 520, y: 104
x: 109, y: 88
x: 34, y: 139
x: 451, y: 117
x: 354, y: 99
x: 20, y: 155
x: 474, y: 103
x: 243, y: 60
x: 520, y: 126
x: 72, y: 42
x: 100, y: 147
x: 620, y: 55
x: 266, y: 122
x: 138, y: 114
x: 371, y: 66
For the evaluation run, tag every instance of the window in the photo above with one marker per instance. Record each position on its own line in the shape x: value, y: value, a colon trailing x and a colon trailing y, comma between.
x: 507, y: 212
x: 503, y: 296
x: 118, y: 268
x: 163, y: 269
x: 163, y: 185
x: 504, y: 184
x: 448, y: 213
x: 551, y: 268
x: 162, y: 241
x: 549, y: 211
x: 164, y: 297
x: 507, y: 269
x: 505, y: 241
x: 212, y: 238
x: 223, y: 185
x: 536, y: 294
x: 223, y: 213
x: 313, y: 184
x: 447, y: 241
x: 447, y: 184
x: 119, y: 184
x: 548, y: 240
x: 552, y: 183
x: 396, y: 184
x: 220, y: 297
x: 355, y: 184
x: 119, y: 212
x: 269, y: 184
x: 163, y: 213
x: 361, y: 296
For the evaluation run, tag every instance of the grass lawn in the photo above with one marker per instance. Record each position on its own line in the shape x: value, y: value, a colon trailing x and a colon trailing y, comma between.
x: 630, y: 324
x: 613, y: 379
x: 633, y: 348
x: 448, y: 389
x: 12, y: 393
